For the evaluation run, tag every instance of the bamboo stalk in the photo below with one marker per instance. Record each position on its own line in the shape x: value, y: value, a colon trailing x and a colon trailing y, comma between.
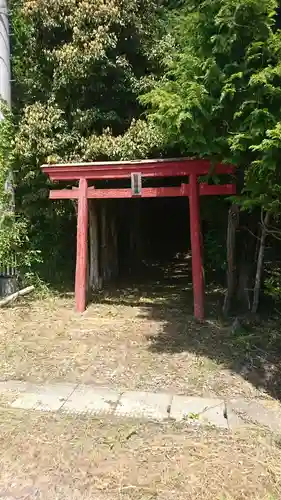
x: 15, y: 295
x: 233, y: 222
x: 257, y: 288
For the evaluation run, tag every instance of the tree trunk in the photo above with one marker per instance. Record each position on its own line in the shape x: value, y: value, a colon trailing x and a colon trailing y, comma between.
x: 114, y: 244
x: 103, y: 243
x: 94, y: 279
x: 135, y: 236
x: 244, y: 286
x: 109, y: 243
x: 138, y: 232
x: 257, y: 287
x: 233, y: 222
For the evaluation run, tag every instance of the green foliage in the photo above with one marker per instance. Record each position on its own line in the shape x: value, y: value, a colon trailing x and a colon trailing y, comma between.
x: 6, y: 162
x: 141, y: 140
x: 214, y: 250
x: 220, y: 94
x: 78, y: 70
x: 13, y: 228
x: 88, y: 57
x: 273, y: 284
x: 10, y: 228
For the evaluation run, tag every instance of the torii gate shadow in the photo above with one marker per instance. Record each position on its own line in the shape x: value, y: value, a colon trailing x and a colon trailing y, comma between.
x: 252, y: 353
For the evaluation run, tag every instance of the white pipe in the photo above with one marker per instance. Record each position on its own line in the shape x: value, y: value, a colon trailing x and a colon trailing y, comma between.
x: 5, y: 79
x: 5, y: 65
x: 5, y: 95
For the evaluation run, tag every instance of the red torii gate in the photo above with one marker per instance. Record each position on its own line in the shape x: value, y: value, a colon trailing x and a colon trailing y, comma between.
x: 83, y: 172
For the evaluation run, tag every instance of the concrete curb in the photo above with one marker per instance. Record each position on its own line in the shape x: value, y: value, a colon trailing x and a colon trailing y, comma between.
x: 94, y: 400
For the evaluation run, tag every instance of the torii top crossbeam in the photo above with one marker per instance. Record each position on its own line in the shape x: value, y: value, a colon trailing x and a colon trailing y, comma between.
x: 161, y: 168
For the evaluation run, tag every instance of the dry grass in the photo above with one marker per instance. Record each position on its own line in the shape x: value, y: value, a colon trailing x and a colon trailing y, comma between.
x: 59, y: 458
x: 141, y: 340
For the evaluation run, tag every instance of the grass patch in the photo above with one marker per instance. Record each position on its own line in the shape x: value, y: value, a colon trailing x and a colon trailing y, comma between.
x: 55, y: 457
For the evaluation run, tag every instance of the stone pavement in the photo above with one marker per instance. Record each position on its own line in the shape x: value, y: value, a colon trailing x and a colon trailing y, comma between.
x: 97, y: 401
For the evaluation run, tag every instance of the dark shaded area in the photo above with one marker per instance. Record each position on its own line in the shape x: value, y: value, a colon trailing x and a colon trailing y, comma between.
x: 160, y: 229
x: 253, y: 351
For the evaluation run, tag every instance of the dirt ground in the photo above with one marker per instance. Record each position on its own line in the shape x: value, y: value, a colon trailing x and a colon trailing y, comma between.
x: 53, y: 457
x: 141, y: 338
x: 111, y: 344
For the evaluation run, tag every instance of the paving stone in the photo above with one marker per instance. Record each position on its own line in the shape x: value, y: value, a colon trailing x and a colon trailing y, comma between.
x: 37, y: 401
x: 157, y: 406
x: 27, y: 401
x: 49, y: 397
x: 89, y: 399
x: 254, y: 412
x: 199, y: 410
x: 147, y: 405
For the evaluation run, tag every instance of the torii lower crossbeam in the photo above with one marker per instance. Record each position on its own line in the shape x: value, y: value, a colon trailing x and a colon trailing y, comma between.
x: 149, y: 168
